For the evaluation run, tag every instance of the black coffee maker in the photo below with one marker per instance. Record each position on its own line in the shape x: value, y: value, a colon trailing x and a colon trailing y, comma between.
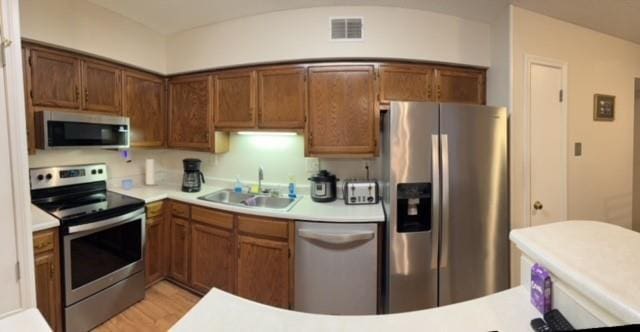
x: 192, y: 177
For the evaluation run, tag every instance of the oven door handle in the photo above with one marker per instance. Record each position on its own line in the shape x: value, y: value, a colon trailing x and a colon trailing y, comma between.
x: 107, y: 222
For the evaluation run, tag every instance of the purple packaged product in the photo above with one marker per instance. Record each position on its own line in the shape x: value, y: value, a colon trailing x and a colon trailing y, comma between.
x: 541, y: 288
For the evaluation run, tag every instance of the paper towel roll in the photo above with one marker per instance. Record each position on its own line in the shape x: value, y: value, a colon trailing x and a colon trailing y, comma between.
x: 149, y: 172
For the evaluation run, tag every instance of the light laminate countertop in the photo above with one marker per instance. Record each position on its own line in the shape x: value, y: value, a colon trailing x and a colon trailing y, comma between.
x: 509, y: 310
x: 305, y: 209
x: 41, y: 220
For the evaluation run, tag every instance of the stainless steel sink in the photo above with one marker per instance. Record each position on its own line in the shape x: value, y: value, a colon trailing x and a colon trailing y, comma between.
x: 270, y: 202
x: 226, y: 196
x: 231, y: 197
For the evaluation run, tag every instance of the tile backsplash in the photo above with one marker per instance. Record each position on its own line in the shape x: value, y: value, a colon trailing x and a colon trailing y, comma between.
x: 280, y: 157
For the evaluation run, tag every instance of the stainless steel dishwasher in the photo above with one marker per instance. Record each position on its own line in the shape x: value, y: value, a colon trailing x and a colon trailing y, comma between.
x: 336, y: 268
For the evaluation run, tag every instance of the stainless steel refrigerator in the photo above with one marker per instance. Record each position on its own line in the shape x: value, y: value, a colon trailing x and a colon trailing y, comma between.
x: 445, y: 188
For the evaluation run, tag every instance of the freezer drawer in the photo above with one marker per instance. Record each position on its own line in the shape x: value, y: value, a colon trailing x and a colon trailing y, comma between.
x: 336, y: 268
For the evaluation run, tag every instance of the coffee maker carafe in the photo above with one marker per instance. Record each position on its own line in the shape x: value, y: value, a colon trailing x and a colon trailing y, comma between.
x: 192, y: 177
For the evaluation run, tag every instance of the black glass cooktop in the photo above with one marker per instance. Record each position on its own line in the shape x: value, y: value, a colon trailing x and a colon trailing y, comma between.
x: 88, y: 207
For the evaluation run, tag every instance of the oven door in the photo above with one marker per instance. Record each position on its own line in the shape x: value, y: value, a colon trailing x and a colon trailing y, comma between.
x: 99, y: 254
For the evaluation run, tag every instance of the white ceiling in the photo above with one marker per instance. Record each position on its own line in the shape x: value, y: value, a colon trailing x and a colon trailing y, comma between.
x: 171, y: 16
x: 619, y: 18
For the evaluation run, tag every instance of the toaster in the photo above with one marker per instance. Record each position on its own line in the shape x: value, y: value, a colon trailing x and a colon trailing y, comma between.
x: 357, y: 192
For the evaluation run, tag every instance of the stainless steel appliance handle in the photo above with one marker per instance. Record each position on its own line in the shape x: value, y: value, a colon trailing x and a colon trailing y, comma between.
x: 445, y: 202
x: 336, y: 237
x: 435, y: 199
x: 107, y: 222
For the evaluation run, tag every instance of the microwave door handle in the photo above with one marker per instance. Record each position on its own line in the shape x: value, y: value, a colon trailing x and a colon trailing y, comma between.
x: 336, y: 237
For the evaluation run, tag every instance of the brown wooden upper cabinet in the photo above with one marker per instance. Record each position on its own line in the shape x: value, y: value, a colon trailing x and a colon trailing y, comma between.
x: 143, y: 102
x: 190, y: 113
x: 55, y: 79
x: 282, y: 94
x: 460, y: 85
x: 101, y: 87
x: 342, y: 111
x: 406, y: 82
x: 235, y: 99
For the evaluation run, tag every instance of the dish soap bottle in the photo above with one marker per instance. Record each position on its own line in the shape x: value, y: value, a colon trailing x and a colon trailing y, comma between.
x: 293, y: 192
x: 238, y: 186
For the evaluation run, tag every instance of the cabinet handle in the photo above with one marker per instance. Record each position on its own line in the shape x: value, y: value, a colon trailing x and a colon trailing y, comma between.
x: 310, y: 138
x: 77, y: 93
x: 439, y: 92
x: 52, y: 270
x: 86, y: 95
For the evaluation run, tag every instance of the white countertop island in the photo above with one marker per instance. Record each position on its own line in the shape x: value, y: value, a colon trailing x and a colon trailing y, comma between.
x: 509, y: 310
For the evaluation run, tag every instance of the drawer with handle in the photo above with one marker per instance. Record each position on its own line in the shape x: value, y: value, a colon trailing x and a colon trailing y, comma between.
x: 43, y: 241
x: 155, y: 209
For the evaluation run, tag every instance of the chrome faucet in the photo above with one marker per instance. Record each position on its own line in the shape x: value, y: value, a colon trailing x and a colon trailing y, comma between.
x: 260, y: 178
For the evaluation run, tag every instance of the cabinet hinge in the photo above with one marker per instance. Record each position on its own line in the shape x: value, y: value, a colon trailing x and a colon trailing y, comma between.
x: 17, y: 271
x: 561, y: 95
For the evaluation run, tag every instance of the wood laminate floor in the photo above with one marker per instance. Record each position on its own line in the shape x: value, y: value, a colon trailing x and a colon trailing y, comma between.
x: 164, y: 304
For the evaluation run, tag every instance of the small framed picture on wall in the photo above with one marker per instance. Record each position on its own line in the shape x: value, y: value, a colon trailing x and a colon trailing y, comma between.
x: 604, y: 107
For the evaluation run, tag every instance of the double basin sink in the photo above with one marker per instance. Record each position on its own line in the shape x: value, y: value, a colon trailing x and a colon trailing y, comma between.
x: 228, y: 196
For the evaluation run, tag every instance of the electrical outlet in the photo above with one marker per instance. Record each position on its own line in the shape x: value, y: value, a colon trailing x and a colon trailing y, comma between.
x: 312, y: 165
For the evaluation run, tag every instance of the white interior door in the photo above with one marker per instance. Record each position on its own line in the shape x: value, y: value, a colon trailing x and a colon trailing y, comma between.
x: 548, y: 143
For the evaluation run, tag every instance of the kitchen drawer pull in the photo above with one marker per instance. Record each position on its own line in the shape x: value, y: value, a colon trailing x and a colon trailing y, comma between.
x: 336, y: 237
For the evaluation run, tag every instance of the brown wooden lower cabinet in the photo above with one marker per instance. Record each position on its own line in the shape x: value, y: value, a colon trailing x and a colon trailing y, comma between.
x: 47, y: 273
x: 245, y: 255
x: 155, y: 262
x: 212, y: 258
x: 263, y: 271
x: 179, y: 258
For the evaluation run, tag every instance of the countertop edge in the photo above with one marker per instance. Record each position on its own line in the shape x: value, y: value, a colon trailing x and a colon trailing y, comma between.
x: 573, y: 277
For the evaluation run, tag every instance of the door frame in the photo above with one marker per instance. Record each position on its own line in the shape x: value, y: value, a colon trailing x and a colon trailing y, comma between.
x: 529, y: 61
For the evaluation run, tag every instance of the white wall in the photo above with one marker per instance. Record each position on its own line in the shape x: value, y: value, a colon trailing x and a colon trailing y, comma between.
x: 83, y: 26
x: 280, y: 156
x: 304, y: 34
x: 636, y: 159
x: 599, y: 182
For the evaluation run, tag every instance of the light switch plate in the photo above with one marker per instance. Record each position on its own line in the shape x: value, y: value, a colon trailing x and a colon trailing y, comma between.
x: 577, y: 149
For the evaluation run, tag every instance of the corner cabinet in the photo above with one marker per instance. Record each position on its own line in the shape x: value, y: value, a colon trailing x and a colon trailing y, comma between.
x: 47, y: 272
x: 190, y: 113
x: 343, y: 116
x: 144, y: 103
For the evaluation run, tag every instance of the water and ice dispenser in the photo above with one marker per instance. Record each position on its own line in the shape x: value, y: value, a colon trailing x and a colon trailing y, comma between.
x: 414, y: 207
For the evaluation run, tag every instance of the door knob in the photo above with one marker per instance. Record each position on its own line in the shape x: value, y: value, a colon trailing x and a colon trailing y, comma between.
x: 537, y: 205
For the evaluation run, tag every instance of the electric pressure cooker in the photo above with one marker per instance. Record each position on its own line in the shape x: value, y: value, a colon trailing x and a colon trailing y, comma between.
x: 323, y: 187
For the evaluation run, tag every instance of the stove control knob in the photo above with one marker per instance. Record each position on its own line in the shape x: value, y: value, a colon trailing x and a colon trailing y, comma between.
x: 100, y: 171
x: 93, y: 171
x: 49, y: 176
x: 40, y: 177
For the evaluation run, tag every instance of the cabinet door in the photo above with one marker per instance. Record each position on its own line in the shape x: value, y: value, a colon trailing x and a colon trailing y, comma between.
x: 263, y: 271
x: 101, y: 87
x: 235, y: 100
x: 143, y: 104
x: 55, y: 79
x: 406, y: 83
x: 154, y: 256
x: 281, y: 98
x: 47, y: 275
x: 190, y: 113
x: 179, y: 261
x: 342, y: 111
x: 460, y: 85
x: 212, y: 258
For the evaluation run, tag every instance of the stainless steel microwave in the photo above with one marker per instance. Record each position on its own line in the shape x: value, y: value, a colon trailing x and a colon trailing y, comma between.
x: 64, y: 130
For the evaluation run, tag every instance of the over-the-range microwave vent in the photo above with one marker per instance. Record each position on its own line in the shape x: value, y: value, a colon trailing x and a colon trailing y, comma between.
x: 346, y: 28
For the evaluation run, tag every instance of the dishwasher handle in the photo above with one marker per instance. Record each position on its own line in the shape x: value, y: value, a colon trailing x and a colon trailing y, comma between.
x: 336, y: 237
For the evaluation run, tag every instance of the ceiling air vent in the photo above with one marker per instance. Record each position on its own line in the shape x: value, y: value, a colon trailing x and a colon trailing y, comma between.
x: 346, y: 28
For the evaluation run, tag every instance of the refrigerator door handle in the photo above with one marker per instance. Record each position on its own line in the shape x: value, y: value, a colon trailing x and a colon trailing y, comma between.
x: 435, y: 199
x: 445, y: 202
